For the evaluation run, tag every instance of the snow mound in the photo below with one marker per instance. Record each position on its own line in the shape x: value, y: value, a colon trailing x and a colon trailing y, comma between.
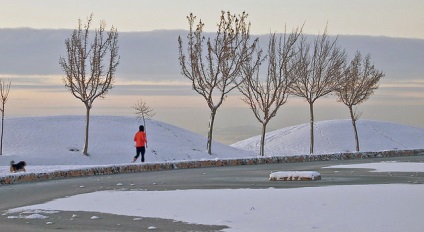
x: 296, y: 175
x: 58, y: 140
x: 336, y: 136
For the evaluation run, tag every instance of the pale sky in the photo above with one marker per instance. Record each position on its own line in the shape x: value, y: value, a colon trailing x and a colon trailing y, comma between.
x: 393, y: 18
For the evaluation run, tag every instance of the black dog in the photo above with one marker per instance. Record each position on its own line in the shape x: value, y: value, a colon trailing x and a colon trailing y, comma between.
x: 17, y: 167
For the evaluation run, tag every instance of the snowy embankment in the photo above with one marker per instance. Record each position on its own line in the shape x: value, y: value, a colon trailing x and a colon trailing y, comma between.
x: 49, y: 144
x: 48, y: 172
x: 58, y: 140
x: 336, y: 136
x: 53, y: 145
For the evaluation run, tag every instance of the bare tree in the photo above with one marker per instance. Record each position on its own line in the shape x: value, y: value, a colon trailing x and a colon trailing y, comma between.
x: 266, y: 96
x: 215, y: 67
x: 360, y: 80
x: 319, y: 71
x: 143, y: 111
x: 4, y: 91
x: 101, y: 57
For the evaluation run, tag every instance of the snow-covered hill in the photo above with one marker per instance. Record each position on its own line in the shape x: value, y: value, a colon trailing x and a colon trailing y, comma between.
x: 337, y: 136
x: 49, y: 141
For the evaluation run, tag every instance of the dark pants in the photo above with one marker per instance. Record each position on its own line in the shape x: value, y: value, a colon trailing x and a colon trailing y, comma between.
x: 140, y: 150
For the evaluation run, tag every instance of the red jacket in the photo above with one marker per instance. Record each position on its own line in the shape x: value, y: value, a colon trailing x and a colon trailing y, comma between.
x: 140, y: 139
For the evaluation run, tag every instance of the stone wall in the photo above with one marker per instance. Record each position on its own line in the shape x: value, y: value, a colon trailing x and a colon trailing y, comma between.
x: 131, y: 168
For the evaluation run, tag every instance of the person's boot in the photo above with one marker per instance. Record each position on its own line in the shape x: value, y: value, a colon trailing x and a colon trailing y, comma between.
x: 134, y: 160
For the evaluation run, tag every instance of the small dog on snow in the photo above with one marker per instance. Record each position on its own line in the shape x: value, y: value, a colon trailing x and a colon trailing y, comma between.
x: 17, y: 167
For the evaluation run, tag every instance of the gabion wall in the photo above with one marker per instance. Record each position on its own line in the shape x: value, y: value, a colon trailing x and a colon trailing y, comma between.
x: 130, y: 168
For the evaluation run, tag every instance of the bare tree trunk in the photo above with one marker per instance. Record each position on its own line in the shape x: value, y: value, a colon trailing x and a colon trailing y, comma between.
x: 352, y: 116
x: 212, y: 119
x: 2, y: 131
x: 311, y: 112
x: 87, y: 124
x: 145, y: 128
x: 262, y: 152
x: 4, y: 92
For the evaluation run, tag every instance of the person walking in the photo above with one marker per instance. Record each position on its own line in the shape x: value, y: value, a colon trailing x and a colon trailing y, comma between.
x: 140, y: 141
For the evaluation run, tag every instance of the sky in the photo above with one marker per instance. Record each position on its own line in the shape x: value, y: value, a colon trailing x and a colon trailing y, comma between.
x: 378, y: 17
x: 388, y: 18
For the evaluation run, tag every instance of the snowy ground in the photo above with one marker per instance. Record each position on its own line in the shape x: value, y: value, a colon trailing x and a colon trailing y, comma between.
x: 391, y: 207
x: 337, y: 136
x: 48, y: 141
x: 387, y: 167
x: 45, y: 143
